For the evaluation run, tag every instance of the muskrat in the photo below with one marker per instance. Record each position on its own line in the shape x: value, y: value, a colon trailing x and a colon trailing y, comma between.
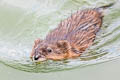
x: 72, y: 36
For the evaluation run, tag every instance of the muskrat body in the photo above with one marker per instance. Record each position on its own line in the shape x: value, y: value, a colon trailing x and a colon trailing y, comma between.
x: 71, y: 38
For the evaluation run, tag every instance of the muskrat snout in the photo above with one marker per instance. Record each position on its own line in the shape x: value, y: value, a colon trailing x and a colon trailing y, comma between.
x: 36, y: 57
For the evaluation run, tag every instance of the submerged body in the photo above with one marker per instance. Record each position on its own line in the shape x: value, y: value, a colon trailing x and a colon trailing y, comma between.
x: 71, y: 38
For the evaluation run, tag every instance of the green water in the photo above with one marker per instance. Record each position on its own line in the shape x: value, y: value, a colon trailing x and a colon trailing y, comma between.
x: 22, y: 21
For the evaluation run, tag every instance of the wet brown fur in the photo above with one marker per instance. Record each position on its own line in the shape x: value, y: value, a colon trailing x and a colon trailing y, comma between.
x: 72, y: 36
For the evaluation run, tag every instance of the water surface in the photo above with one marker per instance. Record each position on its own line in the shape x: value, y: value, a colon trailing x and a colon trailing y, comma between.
x: 22, y: 21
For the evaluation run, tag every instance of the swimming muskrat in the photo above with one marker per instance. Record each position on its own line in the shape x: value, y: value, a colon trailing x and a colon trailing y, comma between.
x: 72, y: 36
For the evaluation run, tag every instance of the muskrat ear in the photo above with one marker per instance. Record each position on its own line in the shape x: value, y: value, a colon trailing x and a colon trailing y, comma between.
x: 63, y: 44
x: 37, y: 41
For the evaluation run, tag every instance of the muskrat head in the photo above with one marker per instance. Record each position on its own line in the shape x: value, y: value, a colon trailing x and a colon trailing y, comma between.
x: 55, y: 51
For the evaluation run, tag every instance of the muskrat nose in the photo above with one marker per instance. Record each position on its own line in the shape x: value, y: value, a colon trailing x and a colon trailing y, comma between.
x: 36, y: 57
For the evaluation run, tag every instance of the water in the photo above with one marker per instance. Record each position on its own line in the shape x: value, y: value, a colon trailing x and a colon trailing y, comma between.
x: 22, y: 21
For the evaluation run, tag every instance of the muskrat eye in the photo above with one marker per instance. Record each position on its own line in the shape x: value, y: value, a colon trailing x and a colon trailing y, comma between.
x: 49, y: 50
